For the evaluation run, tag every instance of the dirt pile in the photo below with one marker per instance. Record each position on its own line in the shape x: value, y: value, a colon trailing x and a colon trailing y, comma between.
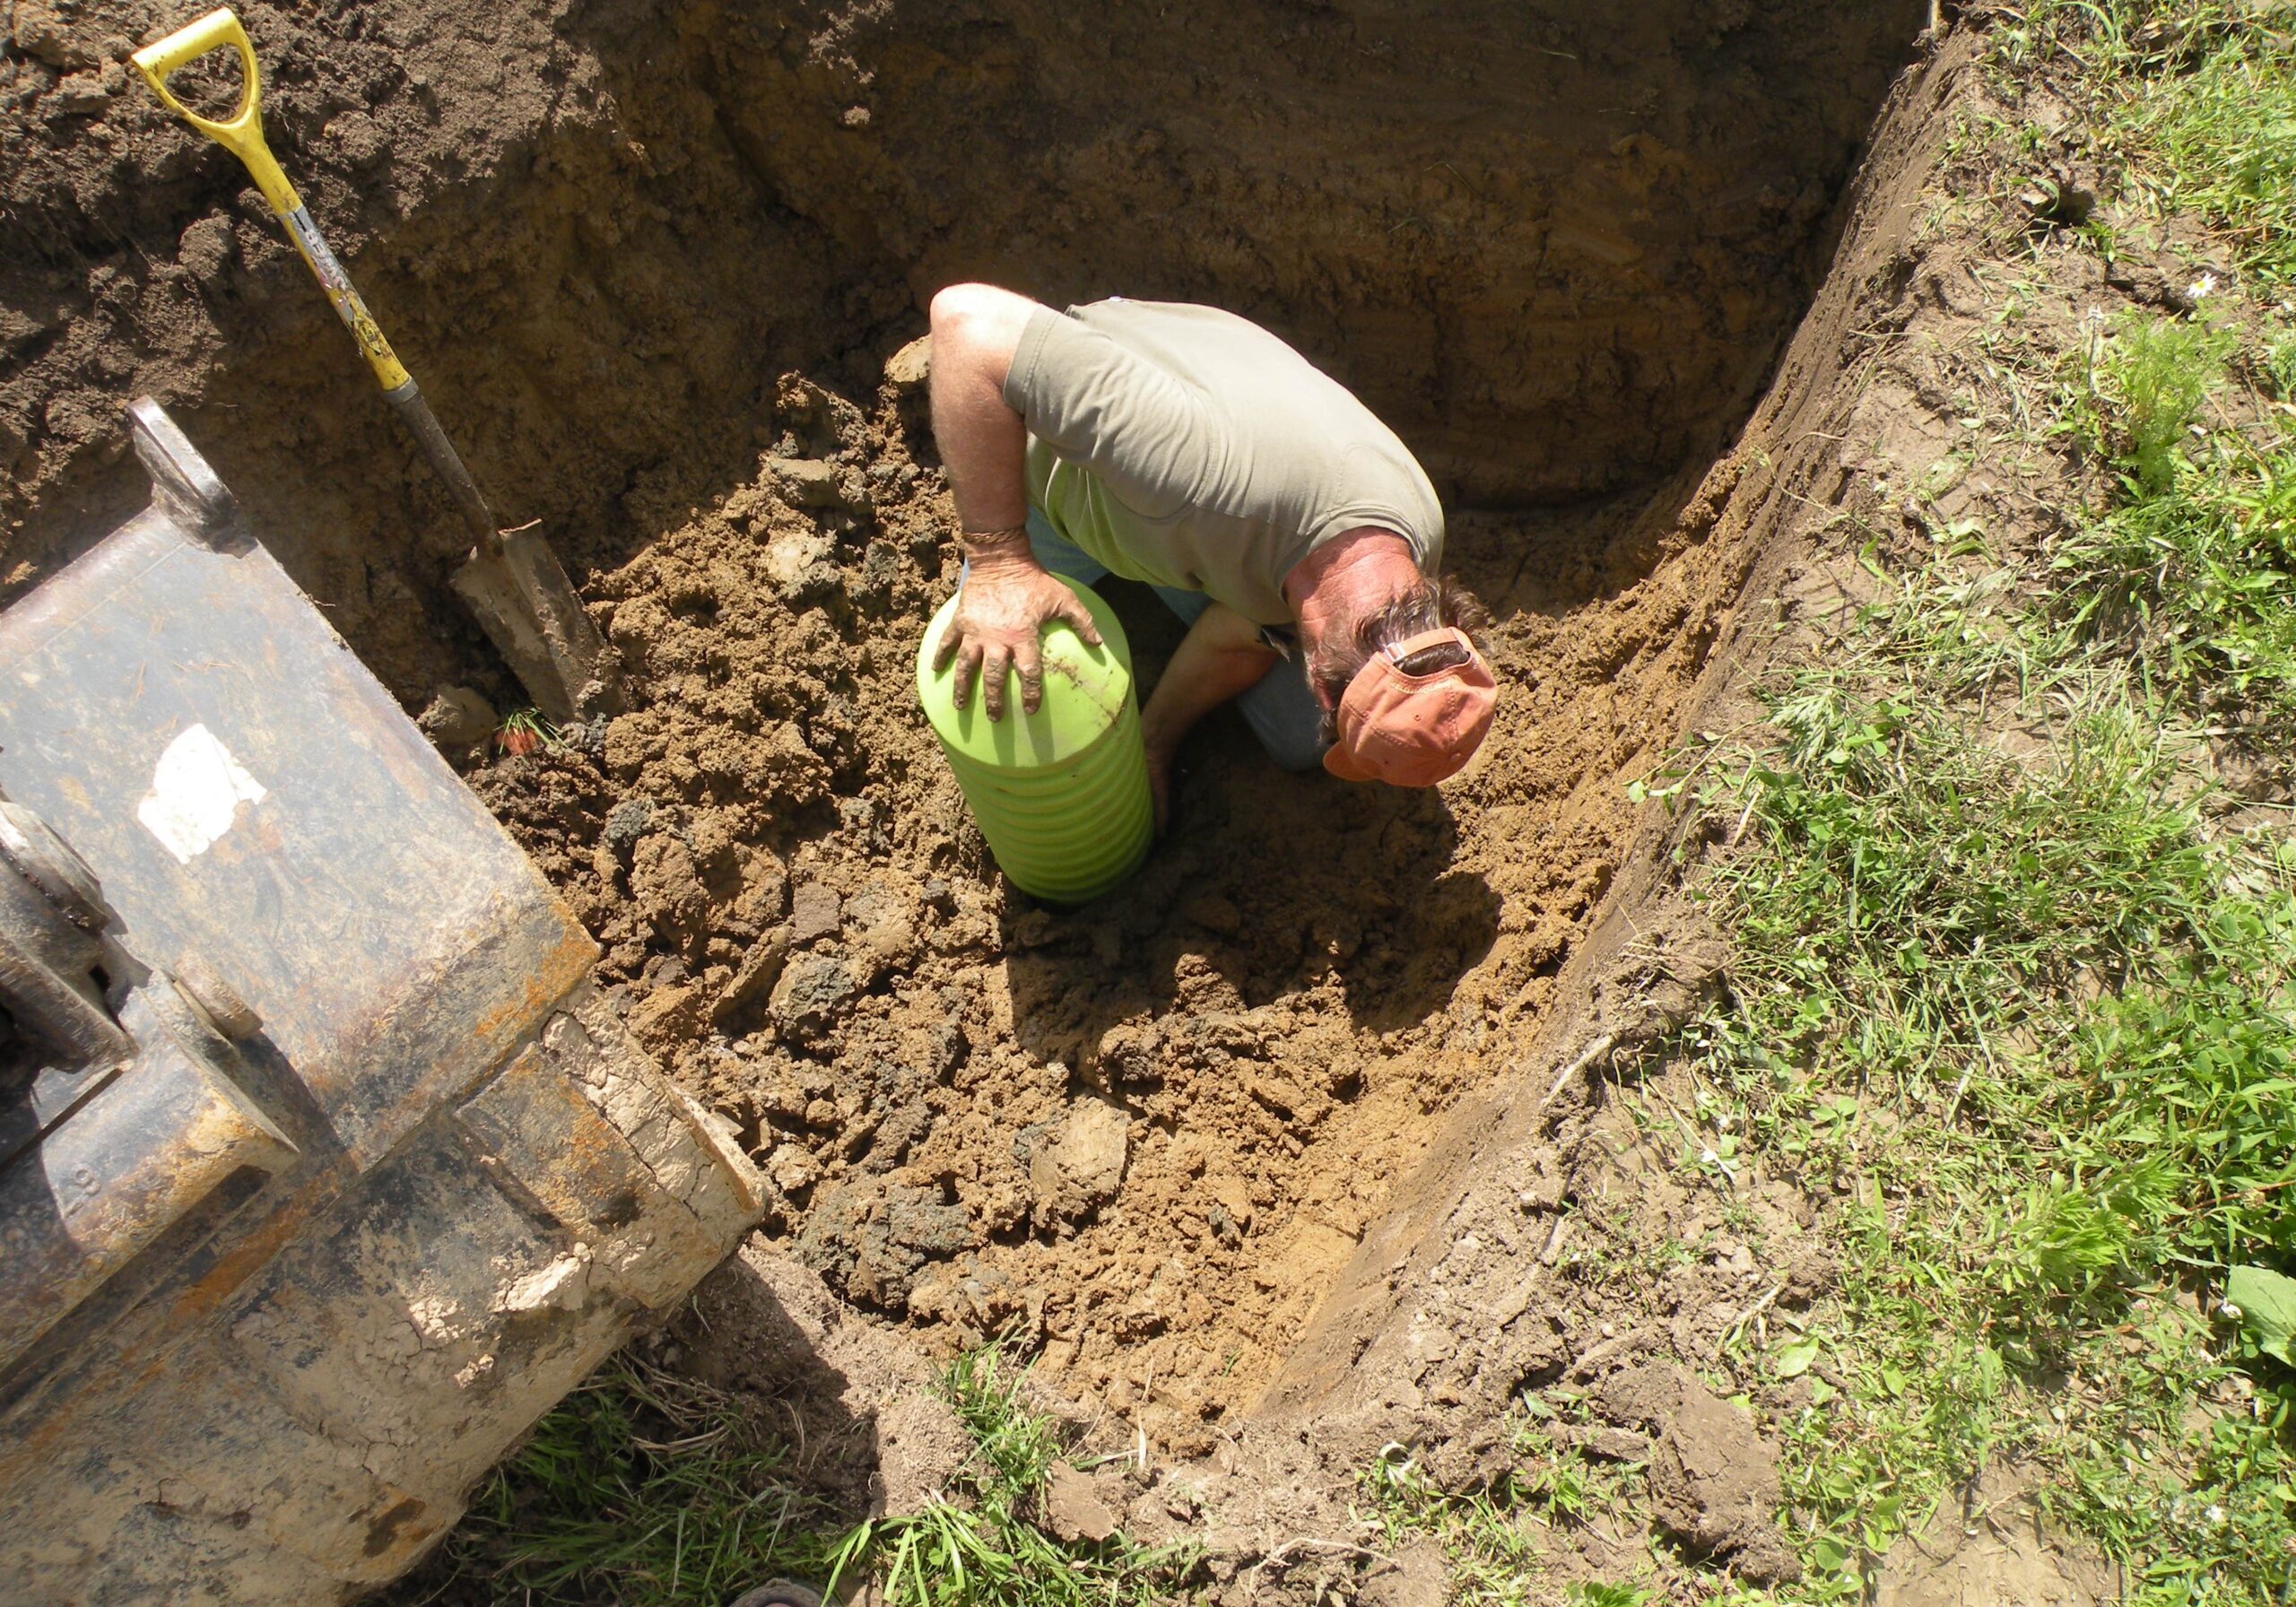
x: 1145, y: 1134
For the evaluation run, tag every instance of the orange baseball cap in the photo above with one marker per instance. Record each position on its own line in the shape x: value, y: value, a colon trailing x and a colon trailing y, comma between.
x: 1413, y: 730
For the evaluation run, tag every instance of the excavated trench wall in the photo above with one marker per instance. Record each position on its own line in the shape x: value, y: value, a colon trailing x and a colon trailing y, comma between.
x: 1558, y: 246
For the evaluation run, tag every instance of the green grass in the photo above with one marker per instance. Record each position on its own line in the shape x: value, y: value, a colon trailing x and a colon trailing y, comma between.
x: 644, y: 1488
x: 2195, y: 100
x: 2033, y: 1013
x: 648, y: 1489
x: 2015, y: 983
x: 1494, y: 1540
x: 982, y: 1544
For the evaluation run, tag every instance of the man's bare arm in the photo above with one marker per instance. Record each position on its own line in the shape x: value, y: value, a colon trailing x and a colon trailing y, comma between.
x: 1008, y: 597
x: 1221, y: 657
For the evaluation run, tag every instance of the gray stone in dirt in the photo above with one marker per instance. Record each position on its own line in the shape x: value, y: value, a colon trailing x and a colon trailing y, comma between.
x: 1713, y: 1480
x: 457, y: 718
x: 1073, y: 1508
x: 1082, y: 1165
x: 813, y: 989
x: 816, y: 912
x: 626, y: 822
x: 951, y: 1046
x: 919, y: 1219
x: 904, y: 1128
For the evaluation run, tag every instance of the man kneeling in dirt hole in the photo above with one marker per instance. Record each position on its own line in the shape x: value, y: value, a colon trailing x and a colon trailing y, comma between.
x: 1187, y: 448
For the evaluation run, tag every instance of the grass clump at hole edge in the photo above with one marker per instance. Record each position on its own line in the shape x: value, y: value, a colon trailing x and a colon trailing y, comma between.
x: 643, y: 1487
x: 2196, y: 100
x: 650, y: 1489
x: 2059, y: 1115
x: 1494, y: 1540
x: 2194, y: 571
x: 980, y: 1544
x: 2033, y: 1015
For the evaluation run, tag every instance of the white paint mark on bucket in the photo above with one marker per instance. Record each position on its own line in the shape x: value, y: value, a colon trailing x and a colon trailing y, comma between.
x: 195, y: 794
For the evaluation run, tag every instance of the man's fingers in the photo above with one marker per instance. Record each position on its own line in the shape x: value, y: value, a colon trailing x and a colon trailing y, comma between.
x: 1030, y: 662
x: 994, y: 662
x: 967, y: 664
x: 1073, y: 610
x: 945, y: 649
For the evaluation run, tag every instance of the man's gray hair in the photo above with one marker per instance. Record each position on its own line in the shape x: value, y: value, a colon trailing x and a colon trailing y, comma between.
x: 1430, y: 604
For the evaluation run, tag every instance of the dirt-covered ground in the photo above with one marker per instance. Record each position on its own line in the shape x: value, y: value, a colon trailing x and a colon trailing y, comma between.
x: 1284, y: 1133
x: 1143, y: 1134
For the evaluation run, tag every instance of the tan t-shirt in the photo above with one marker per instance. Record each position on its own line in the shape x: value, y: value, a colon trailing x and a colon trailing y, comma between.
x: 1188, y: 447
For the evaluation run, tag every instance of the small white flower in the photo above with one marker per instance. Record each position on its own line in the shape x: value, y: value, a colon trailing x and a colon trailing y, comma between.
x: 1725, y: 1121
x: 2206, y: 285
x: 2214, y: 1515
x: 1707, y: 1157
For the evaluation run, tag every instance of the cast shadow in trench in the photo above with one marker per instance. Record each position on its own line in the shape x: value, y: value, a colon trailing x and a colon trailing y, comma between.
x: 1277, y: 884
x: 736, y: 1333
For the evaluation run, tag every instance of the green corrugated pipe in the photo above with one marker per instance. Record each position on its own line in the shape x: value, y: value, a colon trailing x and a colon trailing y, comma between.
x: 1061, y: 794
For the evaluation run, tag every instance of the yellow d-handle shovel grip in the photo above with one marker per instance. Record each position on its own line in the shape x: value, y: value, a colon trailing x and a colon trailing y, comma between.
x: 241, y: 133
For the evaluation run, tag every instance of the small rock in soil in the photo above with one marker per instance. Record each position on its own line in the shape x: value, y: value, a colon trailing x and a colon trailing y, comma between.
x: 1083, y: 1165
x: 911, y: 365
x: 760, y: 970
x: 816, y: 912
x: 812, y: 991
x: 919, y: 1219
x: 626, y: 822
x: 1073, y: 1508
x: 458, y: 716
x: 812, y: 482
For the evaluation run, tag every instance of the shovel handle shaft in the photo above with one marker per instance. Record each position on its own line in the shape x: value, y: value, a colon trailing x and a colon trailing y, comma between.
x: 446, y: 463
x: 241, y: 133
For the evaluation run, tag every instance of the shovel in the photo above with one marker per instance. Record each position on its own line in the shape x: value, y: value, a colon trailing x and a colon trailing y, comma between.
x: 512, y: 581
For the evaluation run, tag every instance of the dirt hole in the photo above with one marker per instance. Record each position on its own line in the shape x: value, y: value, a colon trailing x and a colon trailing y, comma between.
x: 646, y: 259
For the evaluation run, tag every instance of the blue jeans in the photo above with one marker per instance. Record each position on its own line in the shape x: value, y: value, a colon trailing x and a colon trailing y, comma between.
x: 1278, y: 707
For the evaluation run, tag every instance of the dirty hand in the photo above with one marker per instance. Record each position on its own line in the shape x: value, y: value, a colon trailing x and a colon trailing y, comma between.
x: 1007, y: 601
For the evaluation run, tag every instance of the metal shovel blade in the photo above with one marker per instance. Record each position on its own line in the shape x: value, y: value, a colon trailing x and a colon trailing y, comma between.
x: 528, y: 609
